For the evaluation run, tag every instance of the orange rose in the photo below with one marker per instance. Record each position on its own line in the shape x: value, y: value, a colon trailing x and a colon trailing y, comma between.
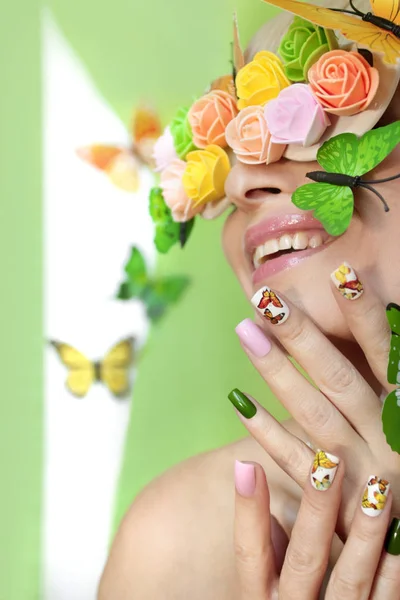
x: 209, y: 117
x: 343, y: 82
x: 250, y: 139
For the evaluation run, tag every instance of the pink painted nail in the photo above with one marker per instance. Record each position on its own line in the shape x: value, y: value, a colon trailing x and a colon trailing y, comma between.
x: 245, y: 478
x: 253, y: 338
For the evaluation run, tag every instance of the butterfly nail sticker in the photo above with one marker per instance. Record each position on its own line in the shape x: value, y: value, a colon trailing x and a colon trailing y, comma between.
x: 345, y: 158
x: 323, y: 470
x: 346, y: 280
x: 112, y: 371
x: 378, y: 30
x: 375, y: 496
x: 270, y: 306
x: 122, y: 164
x: 391, y: 406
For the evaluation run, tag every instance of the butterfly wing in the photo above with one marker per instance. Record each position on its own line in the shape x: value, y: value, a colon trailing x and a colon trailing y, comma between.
x: 393, y: 316
x: 146, y: 129
x: 238, y: 56
x: 332, y: 204
x: 81, y: 371
x: 99, y: 155
x: 322, y: 485
x: 114, y: 369
x: 388, y: 9
x: 351, y: 27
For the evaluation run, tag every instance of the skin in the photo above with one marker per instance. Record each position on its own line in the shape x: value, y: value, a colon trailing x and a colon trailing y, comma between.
x: 177, y: 535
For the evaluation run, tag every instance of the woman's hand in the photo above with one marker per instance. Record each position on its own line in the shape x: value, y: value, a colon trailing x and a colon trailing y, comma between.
x: 343, y: 413
x: 362, y: 571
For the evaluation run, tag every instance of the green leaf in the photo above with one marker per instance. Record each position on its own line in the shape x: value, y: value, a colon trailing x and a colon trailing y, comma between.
x: 167, y: 231
x: 393, y: 316
x: 391, y: 420
x: 346, y: 153
x: 185, y: 231
x: 332, y: 204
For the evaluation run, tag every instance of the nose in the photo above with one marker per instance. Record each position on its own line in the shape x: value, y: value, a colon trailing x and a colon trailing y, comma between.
x: 251, y: 186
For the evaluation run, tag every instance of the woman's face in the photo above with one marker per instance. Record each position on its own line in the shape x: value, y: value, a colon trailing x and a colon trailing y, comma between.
x: 265, y: 215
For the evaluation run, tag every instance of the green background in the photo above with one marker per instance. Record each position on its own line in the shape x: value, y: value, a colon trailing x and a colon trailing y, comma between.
x: 166, y: 52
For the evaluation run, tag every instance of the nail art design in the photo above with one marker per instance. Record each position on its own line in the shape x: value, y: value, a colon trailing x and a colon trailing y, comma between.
x: 273, y: 308
x: 346, y: 280
x: 242, y: 403
x: 323, y: 470
x: 375, y: 496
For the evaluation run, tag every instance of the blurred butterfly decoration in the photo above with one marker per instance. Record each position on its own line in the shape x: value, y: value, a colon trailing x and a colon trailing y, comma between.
x: 113, y: 370
x: 157, y: 293
x: 378, y: 30
x: 391, y: 407
x: 346, y: 158
x: 122, y: 164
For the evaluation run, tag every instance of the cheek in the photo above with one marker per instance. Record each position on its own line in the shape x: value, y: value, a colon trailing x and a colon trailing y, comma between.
x: 232, y: 244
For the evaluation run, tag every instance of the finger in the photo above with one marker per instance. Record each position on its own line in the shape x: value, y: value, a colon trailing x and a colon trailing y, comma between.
x: 332, y: 372
x: 308, y: 552
x: 354, y: 572
x: 290, y: 453
x: 254, y: 553
x: 366, y: 319
x: 387, y: 580
x: 319, y: 418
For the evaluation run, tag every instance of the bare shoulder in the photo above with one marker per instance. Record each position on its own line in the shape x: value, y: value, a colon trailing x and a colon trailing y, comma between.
x: 177, y: 535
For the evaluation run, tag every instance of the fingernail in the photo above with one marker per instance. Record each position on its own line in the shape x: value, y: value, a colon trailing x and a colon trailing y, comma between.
x: 346, y: 280
x: 323, y: 471
x: 375, y: 496
x: 242, y: 403
x: 245, y: 478
x: 253, y: 338
x: 392, y: 542
x: 270, y: 306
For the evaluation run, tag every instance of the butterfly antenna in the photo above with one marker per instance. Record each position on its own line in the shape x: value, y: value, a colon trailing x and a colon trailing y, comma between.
x: 371, y: 189
x: 382, y: 180
x: 356, y: 10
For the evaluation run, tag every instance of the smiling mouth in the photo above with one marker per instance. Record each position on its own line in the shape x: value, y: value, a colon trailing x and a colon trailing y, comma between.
x: 285, y: 243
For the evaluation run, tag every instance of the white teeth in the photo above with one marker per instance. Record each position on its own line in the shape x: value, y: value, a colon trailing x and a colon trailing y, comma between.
x: 285, y: 242
x: 271, y: 247
x: 300, y: 241
x: 316, y: 241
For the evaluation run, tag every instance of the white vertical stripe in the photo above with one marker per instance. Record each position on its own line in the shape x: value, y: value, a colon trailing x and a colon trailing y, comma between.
x: 89, y: 227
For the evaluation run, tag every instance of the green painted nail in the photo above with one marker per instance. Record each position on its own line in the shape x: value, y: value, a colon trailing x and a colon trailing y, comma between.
x: 242, y: 403
x: 392, y: 542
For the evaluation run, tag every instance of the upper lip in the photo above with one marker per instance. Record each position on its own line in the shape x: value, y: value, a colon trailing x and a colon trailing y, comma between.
x: 277, y: 226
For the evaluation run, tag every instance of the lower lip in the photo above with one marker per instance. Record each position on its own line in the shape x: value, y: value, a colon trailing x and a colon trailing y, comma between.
x: 287, y: 261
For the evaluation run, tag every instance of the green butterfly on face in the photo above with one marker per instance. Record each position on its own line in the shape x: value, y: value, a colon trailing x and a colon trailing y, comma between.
x: 391, y: 407
x: 345, y: 158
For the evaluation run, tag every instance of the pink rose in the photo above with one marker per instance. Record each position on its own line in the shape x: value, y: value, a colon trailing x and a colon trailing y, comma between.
x: 296, y: 117
x: 175, y: 197
x: 343, y: 82
x: 164, y: 150
x: 209, y: 117
x: 250, y: 139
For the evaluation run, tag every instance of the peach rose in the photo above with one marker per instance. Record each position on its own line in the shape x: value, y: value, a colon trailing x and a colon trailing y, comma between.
x: 164, y: 151
x: 209, y: 116
x: 343, y: 82
x: 182, y: 208
x: 249, y: 137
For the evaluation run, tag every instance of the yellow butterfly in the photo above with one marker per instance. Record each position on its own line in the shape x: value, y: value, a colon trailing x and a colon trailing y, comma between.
x: 122, y: 164
x: 322, y: 485
x: 321, y: 460
x: 353, y: 27
x: 113, y: 370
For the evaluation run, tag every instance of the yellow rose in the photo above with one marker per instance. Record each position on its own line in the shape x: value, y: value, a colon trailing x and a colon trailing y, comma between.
x: 205, y: 175
x: 260, y: 80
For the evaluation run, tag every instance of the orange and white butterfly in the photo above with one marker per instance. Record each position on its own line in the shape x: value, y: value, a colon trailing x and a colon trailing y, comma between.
x: 122, y: 164
x: 268, y: 298
x: 273, y: 319
x: 363, y: 32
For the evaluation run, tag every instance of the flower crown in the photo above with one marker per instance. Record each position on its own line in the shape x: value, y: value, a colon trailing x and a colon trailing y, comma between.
x: 276, y: 105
